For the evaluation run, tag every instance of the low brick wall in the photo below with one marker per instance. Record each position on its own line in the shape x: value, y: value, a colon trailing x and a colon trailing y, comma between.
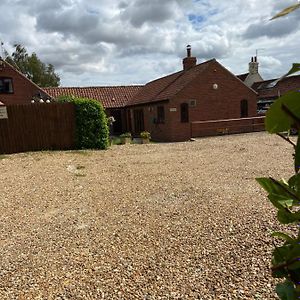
x: 230, y: 126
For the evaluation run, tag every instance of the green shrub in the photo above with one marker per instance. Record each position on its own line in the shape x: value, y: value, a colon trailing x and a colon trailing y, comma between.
x: 91, y: 123
x: 126, y: 135
x: 145, y: 135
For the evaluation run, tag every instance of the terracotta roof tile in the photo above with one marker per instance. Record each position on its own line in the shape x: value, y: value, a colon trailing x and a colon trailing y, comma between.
x: 109, y: 96
x: 265, y: 89
x: 166, y: 87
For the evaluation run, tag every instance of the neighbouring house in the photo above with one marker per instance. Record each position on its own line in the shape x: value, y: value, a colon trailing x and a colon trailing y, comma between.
x: 270, y: 90
x: 16, y: 88
x: 253, y: 75
x: 166, y: 107
x: 113, y: 99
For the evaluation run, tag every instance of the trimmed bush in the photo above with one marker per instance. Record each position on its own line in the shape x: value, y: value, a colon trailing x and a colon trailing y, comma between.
x: 91, y: 123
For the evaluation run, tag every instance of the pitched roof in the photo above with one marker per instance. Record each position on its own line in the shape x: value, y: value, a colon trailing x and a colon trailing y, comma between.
x: 41, y: 90
x: 266, y: 88
x: 166, y: 87
x: 109, y: 96
x: 242, y: 76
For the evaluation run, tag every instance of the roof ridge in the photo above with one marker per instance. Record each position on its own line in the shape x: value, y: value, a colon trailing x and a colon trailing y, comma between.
x: 88, y: 87
x: 180, y: 74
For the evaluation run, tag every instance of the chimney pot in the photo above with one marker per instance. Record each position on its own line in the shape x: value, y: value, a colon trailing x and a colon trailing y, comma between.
x: 189, y: 50
x: 189, y: 61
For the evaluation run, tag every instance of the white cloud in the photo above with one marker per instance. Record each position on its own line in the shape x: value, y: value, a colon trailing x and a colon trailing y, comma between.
x: 134, y: 41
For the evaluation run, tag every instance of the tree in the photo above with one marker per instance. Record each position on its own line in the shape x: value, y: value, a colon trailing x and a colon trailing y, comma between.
x: 32, y: 67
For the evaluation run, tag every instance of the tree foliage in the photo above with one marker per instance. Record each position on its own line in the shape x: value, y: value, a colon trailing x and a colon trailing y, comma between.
x: 32, y: 67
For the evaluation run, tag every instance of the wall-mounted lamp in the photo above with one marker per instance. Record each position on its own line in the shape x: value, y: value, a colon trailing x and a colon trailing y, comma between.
x: 215, y: 86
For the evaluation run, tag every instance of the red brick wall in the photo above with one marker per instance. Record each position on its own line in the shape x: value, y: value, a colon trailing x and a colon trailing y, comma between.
x: 219, y: 127
x: 23, y: 89
x: 159, y: 132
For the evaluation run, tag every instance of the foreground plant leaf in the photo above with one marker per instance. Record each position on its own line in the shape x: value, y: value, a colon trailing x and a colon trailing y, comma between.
x: 277, y: 119
x: 280, y: 193
x: 295, y: 69
x: 283, y: 236
x: 286, y: 11
x: 286, y: 291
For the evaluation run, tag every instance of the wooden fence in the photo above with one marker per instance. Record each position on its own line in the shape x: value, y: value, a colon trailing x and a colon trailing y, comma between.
x: 39, y: 126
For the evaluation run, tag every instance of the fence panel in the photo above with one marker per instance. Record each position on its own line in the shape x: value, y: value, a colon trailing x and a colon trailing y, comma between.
x: 39, y: 126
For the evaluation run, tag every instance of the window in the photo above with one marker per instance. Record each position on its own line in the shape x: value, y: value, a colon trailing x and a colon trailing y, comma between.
x: 244, y: 108
x: 160, y: 114
x: 184, y: 112
x: 193, y: 103
x: 6, y: 85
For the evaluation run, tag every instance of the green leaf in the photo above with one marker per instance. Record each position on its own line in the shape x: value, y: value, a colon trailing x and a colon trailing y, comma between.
x: 280, y: 255
x: 285, y: 217
x: 280, y: 194
x: 294, y: 183
x: 295, y: 265
x: 286, y: 291
x: 294, y: 256
x: 271, y: 186
x: 283, y: 236
x: 278, y: 120
x: 286, y: 11
x: 297, y: 156
x: 281, y: 201
x: 295, y: 68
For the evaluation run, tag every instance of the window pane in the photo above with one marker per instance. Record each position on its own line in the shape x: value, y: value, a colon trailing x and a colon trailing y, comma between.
x: 6, y: 85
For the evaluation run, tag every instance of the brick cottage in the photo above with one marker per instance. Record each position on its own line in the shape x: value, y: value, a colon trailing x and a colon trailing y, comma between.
x: 167, y: 107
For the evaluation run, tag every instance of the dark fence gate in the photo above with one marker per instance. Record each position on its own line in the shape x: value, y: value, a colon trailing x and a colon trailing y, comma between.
x: 32, y: 127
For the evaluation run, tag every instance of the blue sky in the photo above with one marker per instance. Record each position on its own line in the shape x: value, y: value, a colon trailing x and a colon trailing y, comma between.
x: 120, y: 42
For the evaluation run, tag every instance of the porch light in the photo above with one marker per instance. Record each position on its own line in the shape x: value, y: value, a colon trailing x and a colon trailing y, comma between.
x: 215, y: 86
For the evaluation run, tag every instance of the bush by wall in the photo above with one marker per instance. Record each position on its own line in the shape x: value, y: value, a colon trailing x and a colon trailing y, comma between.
x: 91, y: 123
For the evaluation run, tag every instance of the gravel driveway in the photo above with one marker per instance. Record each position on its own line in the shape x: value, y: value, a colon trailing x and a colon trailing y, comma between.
x: 158, y: 221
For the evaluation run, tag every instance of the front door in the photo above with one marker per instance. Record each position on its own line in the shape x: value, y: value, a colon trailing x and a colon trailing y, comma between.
x: 138, y: 116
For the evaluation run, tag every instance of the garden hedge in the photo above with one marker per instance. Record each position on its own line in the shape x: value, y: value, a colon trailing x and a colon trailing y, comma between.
x: 91, y: 123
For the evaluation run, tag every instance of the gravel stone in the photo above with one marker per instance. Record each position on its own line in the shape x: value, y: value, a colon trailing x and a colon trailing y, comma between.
x: 152, y: 221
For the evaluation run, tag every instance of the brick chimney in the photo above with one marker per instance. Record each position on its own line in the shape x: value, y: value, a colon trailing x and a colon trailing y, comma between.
x: 189, y: 61
x: 253, y: 66
x: 253, y: 75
